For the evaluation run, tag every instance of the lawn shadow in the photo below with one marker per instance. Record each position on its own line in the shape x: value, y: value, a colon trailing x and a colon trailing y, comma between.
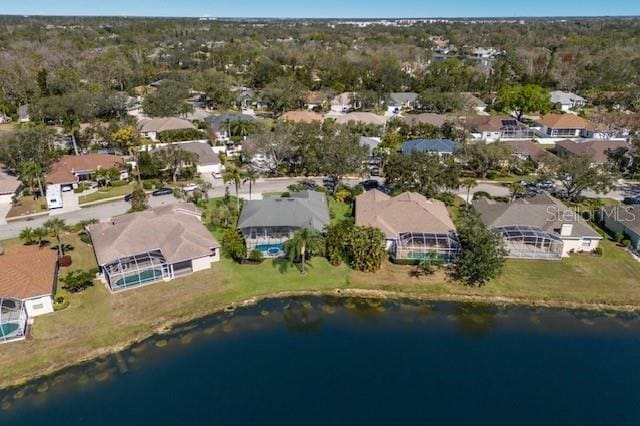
x: 282, y: 265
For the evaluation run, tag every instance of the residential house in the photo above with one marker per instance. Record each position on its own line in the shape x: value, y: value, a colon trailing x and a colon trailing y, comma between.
x: 414, y: 226
x: 474, y: 103
x: 315, y: 100
x: 9, y: 186
x: 491, y: 128
x: 302, y: 117
x: 158, y: 244
x: 442, y: 147
x: 371, y: 143
x: 624, y: 220
x: 563, y: 126
x: 529, y: 151
x: 540, y: 227
x: 566, y: 101
x: 596, y: 149
x: 400, y: 101
x: 29, y: 274
x: 73, y: 169
x: 222, y: 125
x: 435, y: 120
x: 152, y: 127
x: 361, y: 117
x: 344, y: 102
x: 269, y: 223
x: 208, y: 160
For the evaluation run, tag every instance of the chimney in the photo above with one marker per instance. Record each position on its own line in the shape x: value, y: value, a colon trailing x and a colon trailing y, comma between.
x: 566, y: 230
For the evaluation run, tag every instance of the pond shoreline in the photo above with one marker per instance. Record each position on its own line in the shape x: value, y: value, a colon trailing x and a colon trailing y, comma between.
x: 167, y: 326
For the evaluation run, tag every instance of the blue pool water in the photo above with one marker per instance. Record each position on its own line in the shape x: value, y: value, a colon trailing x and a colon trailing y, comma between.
x: 271, y: 249
x: 8, y: 329
x: 327, y: 361
x: 143, y: 277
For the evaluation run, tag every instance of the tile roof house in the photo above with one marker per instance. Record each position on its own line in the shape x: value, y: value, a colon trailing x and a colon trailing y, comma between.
x: 9, y: 186
x: 156, y: 244
x: 302, y: 117
x: 71, y: 169
x: 152, y: 127
x: 596, y: 149
x: 540, y: 227
x: 491, y: 128
x: 442, y: 147
x: 414, y: 226
x: 566, y: 100
x: 29, y: 274
x: 268, y: 223
x: 219, y: 123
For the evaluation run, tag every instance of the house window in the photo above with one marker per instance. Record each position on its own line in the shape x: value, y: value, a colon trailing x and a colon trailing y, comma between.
x: 38, y: 307
x: 586, y: 243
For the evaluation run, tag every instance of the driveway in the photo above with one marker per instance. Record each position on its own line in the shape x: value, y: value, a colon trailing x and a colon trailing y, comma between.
x: 4, y: 211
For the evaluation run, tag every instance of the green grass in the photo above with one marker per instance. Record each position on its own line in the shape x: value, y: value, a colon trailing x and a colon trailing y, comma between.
x: 339, y: 211
x: 110, y: 192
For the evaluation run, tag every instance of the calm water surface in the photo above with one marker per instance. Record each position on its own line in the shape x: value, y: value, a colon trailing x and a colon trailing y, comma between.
x: 332, y: 361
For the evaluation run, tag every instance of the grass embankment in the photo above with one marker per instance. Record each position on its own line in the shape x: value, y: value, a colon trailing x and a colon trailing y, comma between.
x: 97, y: 322
x: 109, y: 192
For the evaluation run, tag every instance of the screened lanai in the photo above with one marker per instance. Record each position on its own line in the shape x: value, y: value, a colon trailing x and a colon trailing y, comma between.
x: 530, y: 242
x: 420, y: 245
x: 13, y: 320
x: 136, y: 270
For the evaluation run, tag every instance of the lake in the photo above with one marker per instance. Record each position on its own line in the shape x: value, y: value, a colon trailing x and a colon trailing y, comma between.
x: 326, y: 361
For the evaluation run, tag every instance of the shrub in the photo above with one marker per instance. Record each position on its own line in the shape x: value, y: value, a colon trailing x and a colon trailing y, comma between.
x: 255, y: 256
x: 625, y: 243
x: 481, y: 194
x: 65, y: 261
x: 233, y: 244
x: 147, y: 185
x: 60, y: 303
x: 77, y: 281
x: 597, y: 251
x: 447, y: 198
x: 285, y: 194
x: 618, y: 237
x: 85, y: 238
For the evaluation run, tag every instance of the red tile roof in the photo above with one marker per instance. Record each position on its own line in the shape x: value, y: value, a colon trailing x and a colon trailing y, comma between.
x: 63, y: 170
x: 27, y: 272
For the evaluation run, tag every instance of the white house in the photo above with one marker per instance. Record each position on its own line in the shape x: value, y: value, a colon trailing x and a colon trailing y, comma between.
x: 344, y: 102
x: 566, y: 101
x: 29, y: 274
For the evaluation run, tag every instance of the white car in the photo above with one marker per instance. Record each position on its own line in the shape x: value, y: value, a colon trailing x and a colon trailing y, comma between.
x: 217, y: 175
x: 190, y: 187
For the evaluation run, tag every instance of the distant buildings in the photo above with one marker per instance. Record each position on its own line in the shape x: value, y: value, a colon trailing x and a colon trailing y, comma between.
x: 566, y: 101
x: 597, y: 150
x: 441, y: 147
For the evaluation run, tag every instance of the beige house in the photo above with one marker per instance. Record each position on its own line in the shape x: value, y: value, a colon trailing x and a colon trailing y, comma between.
x: 152, y: 127
x: 414, y: 226
x: 9, y: 186
x: 157, y: 244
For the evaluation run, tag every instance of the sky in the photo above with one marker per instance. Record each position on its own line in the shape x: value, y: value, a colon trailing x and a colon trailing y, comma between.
x: 323, y: 8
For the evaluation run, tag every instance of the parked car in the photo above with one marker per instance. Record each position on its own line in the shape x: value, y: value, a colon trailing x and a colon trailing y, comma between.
x: 375, y: 171
x: 216, y: 175
x: 66, y: 188
x: 162, y: 191
x: 127, y: 198
x: 631, y: 200
x: 370, y: 184
x: 190, y: 187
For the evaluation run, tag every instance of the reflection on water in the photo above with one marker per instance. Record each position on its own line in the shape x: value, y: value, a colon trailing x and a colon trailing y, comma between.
x: 418, y: 333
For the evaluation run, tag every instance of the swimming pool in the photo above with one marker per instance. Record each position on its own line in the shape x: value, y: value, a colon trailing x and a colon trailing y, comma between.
x: 271, y: 250
x: 8, y: 329
x: 137, y: 279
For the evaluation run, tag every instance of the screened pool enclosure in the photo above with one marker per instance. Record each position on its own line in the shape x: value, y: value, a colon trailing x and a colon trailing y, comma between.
x: 13, y: 320
x: 530, y: 242
x: 136, y: 270
x: 422, y: 245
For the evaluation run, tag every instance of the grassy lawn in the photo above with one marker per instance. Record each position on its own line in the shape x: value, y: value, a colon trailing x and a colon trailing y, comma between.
x: 27, y: 205
x: 339, y: 211
x: 110, y: 192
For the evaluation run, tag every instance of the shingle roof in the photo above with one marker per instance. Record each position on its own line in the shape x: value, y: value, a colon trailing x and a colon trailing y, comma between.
x: 306, y: 209
x: 442, y: 146
x: 564, y: 121
x: 9, y: 184
x: 541, y: 211
x: 162, y: 124
x: 206, y: 156
x: 629, y: 216
x: 436, y: 120
x: 492, y: 123
x: 62, y: 171
x: 565, y: 98
x: 407, y: 212
x: 361, y: 117
x: 27, y: 272
x: 302, y: 117
x: 529, y: 149
x: 596, y: 149
x: 400, y: 98
x: 217, y: 121
x: 174, y: 229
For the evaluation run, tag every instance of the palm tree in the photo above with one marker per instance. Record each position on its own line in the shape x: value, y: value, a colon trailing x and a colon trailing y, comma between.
x: 233, y: 175
x: 56, y: 228
x: 241, y: 127
x: 205, y: 187
x: 31, y: 175
x: 516, y: 188
x: 250, y: 177
x: 468, y: 183
x: 28, y: 235
x: 304, y: 241
x: 40, y: 234
x: 71, y: 125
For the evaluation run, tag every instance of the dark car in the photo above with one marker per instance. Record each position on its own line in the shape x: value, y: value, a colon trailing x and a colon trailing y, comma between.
x: 375, y: 171
x: 162, y: 191
x: 127, y: 198
x: 631, y: 200
x: 308, y: 184
x: 370, y: 184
